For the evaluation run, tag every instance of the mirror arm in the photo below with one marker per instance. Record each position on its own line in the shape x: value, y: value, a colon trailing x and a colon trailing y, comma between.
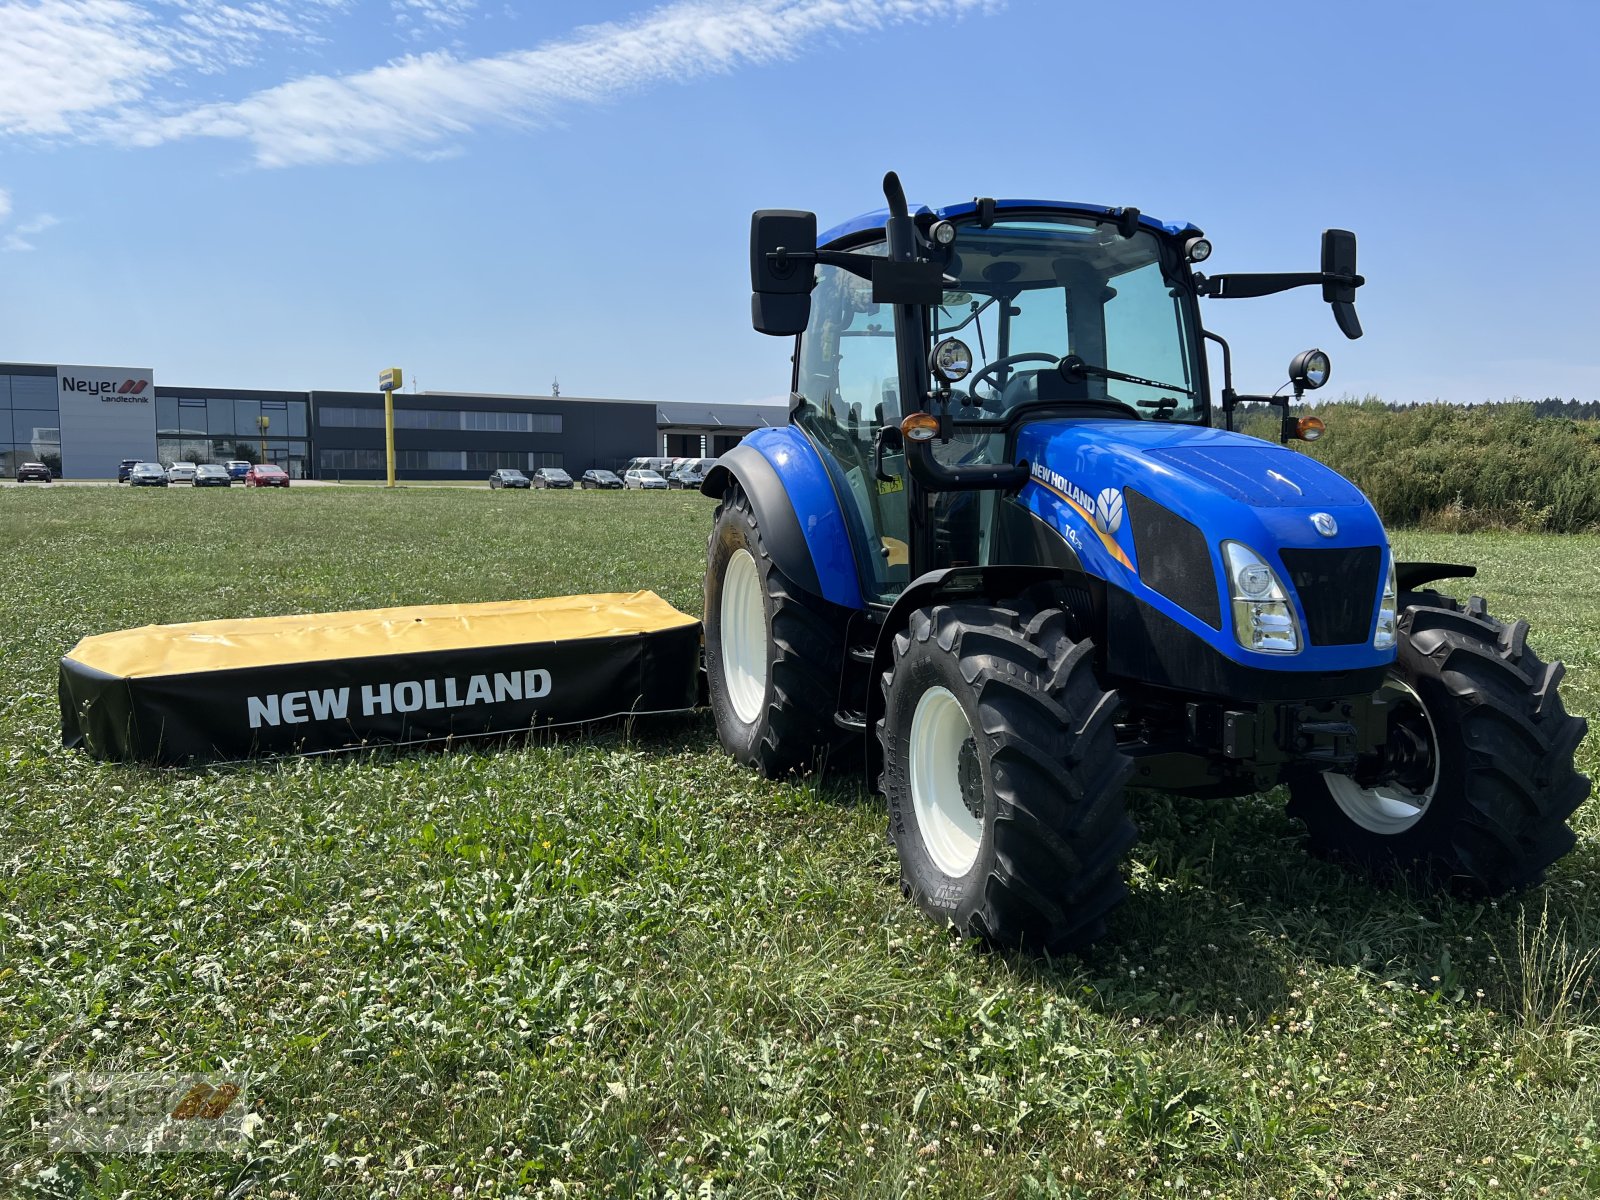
x: 857, y: 264
x: 1229, y: 396
x: 1241, y: 287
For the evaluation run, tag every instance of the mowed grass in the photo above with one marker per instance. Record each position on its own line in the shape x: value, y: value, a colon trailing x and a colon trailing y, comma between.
x: 618, y: 965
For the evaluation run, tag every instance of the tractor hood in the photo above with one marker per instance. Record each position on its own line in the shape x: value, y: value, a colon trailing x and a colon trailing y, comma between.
x: 1147, y: 505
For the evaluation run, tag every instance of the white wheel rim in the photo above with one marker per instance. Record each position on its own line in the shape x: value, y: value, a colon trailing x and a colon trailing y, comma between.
x: 744, y: 637
x: 1389, y: 809
x: 950, y: 833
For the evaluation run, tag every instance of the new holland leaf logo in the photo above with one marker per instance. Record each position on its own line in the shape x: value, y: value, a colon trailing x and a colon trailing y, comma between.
x: 1108, y: 511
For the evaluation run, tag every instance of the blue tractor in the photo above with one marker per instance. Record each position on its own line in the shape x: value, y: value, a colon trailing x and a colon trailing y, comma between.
x: 1011, y: 549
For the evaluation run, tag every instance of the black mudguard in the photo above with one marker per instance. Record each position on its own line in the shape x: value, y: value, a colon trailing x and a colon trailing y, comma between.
x: 1409, y: 576
x: 780, y: 527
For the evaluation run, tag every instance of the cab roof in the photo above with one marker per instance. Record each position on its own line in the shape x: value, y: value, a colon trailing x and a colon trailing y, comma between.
x: 876, y: 219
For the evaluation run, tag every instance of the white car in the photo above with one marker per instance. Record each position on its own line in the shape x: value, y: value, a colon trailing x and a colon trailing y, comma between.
x: 643, y: 481
x: 180, y: 472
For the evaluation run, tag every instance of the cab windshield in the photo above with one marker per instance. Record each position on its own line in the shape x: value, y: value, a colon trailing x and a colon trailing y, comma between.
x: 1032, y: 291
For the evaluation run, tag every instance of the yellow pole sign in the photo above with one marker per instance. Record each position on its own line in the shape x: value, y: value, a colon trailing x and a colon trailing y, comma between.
x: 389, y: 379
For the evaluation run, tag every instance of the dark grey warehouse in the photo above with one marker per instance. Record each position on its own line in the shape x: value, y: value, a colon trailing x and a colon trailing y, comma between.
x: 442, y: 436
x: 82, y: 421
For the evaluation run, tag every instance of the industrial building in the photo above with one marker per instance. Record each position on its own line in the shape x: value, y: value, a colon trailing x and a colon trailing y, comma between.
x: 82, y: 421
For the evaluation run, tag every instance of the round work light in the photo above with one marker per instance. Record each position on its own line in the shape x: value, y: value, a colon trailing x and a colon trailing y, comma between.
x: 1309, y: 369
x: 951, y: 361
x: 1197, y: 249
x: 942, y: 233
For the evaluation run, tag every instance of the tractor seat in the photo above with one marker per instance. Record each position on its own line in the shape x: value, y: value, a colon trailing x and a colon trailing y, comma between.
x: 1021, y: 388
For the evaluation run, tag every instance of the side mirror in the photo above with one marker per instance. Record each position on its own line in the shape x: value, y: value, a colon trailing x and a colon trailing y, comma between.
x: 1339, y: 258
x: 783, y: 246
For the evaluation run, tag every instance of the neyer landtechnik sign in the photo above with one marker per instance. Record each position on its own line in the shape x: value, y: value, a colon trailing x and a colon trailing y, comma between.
x: 107, y: 414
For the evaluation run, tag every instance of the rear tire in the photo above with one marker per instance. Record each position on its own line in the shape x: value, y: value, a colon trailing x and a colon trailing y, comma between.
x: 1486, y: 810
x: 774, y: 654
x: 997, y: 712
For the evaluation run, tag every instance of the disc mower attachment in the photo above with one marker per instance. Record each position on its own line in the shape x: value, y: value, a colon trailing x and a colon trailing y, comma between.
x: 220, y: 690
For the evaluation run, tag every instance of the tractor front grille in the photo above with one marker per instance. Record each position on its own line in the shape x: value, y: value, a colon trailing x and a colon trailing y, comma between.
x: 1173, y: 557
x: 1338, y: 590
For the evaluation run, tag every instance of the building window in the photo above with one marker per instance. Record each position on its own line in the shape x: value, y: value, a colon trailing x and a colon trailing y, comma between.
x: 219, y: 418
x: 351, y: 460
x: 424, y: 418
x: 335, y: 417
x: 429, y: 460
x: 34, y: 391
x: 473, y: 420
x: 541, y: 458
x: 494, y: 460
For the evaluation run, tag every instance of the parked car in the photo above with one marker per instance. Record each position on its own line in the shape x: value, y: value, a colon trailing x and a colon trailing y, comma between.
x: 36, y: 471
x: 147, y: 475
x: 266, y: 475
x: 691, y: 474
x: 598, y: 478
x: 237, y: 468
x: 551, y: 477
x: 644, y: 481
x: 211, y: 475
x: 125, y: 468
x: 508, y: 477
x: 180, y: 472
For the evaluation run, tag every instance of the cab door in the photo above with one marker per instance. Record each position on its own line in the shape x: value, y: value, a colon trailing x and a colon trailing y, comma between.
x: 847, y: 389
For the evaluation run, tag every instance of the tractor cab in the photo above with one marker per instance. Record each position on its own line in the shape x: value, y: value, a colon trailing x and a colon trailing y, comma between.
x: 1024, y: 285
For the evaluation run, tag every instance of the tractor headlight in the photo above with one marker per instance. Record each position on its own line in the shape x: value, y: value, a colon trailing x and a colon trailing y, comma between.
x: 1263, y: 615
x: 1388, y: 612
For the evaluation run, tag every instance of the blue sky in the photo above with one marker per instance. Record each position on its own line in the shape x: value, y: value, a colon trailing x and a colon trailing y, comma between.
x: 296, y: 193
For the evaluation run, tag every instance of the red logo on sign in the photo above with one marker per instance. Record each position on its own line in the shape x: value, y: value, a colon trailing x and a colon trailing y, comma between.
x: 132, y: 387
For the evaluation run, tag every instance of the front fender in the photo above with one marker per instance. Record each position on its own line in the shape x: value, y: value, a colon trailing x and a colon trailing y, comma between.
x: 990, y: 584
x: 797, y: 509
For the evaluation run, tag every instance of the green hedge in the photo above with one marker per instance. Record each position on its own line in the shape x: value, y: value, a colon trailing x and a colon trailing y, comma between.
x: 1459, y: 468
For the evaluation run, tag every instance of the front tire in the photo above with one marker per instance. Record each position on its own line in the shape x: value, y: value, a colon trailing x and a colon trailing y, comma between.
x: 774, y: 654
x: 1003, y: 776
x: 1480, y: 781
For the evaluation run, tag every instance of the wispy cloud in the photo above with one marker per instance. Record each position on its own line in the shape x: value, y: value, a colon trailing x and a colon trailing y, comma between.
x: 424, y: 104
x: 5, y: 204
x: 68, y: 58
x: 420, y: 18
x: 66, y: 62
x: 21, y: 238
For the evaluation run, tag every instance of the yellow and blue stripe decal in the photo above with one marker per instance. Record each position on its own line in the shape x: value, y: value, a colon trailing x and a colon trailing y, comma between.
x: 1079, y: 501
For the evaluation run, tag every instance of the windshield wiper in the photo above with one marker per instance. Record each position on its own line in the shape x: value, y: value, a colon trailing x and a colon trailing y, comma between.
x: 1073, y: 368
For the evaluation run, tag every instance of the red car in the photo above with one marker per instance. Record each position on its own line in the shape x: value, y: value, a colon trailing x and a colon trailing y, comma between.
x: 266, y: 475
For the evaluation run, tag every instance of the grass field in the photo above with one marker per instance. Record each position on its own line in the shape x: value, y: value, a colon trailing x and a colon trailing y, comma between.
x: 621, y: 966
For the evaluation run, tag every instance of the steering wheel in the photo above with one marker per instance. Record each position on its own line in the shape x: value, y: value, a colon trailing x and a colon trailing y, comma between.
x: 1000, y: 364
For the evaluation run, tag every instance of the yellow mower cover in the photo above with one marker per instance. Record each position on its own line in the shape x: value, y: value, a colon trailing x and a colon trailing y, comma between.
x: 217, y: 690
